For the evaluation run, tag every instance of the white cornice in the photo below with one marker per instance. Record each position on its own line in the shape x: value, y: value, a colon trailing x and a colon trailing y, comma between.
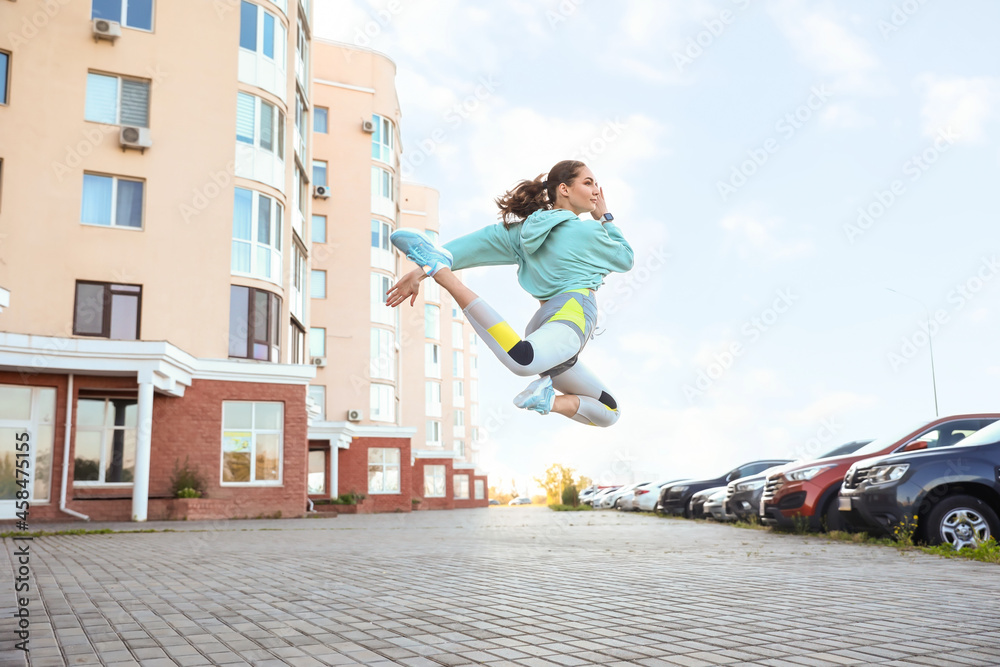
x: 169, y: 368
x: 345, y: 86
x: 433, y: 454
x: 343, y: 432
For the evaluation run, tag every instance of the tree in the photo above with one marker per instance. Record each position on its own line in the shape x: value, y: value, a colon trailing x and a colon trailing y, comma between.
x: 583, y: 482
x: 556, y: 478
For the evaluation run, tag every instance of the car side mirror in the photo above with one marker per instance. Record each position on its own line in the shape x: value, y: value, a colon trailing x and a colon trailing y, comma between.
x: 915, y: 445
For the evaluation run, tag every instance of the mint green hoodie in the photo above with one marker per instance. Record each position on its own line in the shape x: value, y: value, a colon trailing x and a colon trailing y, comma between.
x: 555, y: 250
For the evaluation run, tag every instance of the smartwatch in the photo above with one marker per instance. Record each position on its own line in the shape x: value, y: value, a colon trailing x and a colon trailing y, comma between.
x: 607, y: 217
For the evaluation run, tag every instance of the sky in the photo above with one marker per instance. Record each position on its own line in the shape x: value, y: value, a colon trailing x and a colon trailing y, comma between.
x: 778, y: 167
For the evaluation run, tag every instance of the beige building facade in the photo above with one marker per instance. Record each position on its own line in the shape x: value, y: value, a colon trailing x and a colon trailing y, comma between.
x: 187, y: 264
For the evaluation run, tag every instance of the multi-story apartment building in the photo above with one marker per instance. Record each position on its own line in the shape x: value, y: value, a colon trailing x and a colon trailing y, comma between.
x: 152, y: 222
x: 385, y: 379
x: 160, y: 255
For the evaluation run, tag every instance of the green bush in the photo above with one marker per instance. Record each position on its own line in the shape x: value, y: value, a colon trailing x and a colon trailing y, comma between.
x: 570, y: 496
x: 186, y: 481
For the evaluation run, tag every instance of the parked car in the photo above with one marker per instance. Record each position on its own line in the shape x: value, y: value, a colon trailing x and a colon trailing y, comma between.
x: 644, y: 498
x: 625, y: 496
x: 608, y: 500
x: 809, y: 490
x: 494, y: 501
x: 595, y: 500
x: 715, y: 506
x: 519, y: 501
x: 593, y: 492
x: 696, y: 506
x: 588, y: 492
x: 953, y: 493
x: 674, y: 498
x: 743, y: 495
x: 657, y: 507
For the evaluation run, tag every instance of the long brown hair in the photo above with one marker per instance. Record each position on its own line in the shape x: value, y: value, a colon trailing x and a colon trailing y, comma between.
x: 529, y: 196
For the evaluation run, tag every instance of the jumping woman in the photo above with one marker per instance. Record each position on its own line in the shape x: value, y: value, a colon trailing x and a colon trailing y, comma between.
x: 561, y: 260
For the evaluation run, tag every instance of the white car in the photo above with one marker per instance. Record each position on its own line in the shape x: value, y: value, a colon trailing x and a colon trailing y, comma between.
x: 611, y: 500
x: 644, y: 497
x: 626, y: 500
x: 597, y: 498
x: 715, y: 506
x: 519, y: 501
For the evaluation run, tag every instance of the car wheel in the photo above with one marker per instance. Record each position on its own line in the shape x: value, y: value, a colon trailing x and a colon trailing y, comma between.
x: 832, y: 517
x: 961, y: 521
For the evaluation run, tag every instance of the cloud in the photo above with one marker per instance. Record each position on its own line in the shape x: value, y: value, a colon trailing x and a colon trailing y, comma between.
x: 828, y: 47
x: 962, y: 104
x: 844, y: 115
x: 757, y: 237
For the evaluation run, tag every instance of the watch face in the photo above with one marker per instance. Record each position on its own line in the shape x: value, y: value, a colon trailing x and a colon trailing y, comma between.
x: 608, y: 217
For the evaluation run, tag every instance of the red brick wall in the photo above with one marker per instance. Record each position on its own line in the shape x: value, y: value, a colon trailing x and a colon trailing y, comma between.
x: 188, y: 427
x: 353, y: 475
x: 446, y: 503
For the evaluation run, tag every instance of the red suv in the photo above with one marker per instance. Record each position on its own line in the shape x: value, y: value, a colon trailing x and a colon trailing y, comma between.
x: 808, y: 492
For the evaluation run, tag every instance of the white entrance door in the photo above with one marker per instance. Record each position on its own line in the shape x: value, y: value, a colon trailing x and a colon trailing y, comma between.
x: 24, y: 411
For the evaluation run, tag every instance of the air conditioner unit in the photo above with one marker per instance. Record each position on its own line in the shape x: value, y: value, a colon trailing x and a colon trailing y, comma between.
x: 355, y: 415
x: 321, y: 192
x: 105, y: 29
x: 318, y: 361
x: 368, y: 126
x: 135, y: 137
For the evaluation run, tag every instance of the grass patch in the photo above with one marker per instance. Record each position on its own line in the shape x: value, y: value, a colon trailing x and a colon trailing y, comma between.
x: 570, y: 508
x: 79, y: 531
x: 987, y: 552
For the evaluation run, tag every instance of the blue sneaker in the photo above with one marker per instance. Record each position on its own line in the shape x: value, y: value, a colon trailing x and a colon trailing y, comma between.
x: 421, y: 250
x: 538, y: 396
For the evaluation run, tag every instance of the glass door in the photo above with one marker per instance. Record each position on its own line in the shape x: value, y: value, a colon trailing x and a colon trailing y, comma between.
x: 27, y: 415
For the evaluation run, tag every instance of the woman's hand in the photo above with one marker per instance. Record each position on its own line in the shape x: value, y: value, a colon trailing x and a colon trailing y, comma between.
x: 407, y: 288
x: 602, y: 206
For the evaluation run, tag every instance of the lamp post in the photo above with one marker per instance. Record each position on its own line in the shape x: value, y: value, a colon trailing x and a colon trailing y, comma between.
x: 930, y: 344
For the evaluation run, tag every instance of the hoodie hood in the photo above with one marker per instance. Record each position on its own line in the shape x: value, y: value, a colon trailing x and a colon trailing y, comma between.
x: 536, y: 227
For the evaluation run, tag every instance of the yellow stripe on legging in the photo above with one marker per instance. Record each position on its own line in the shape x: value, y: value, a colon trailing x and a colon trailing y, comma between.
x: 571, y: 311
x: 504, y: 335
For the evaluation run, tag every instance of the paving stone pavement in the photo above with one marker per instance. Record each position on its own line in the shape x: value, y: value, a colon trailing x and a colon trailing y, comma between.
x: 500, y: 586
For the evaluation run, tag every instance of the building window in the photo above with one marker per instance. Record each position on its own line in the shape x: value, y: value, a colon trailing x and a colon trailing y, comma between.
x: 459, y: 418
x: 473, y: 340
x: 382, y: 184
x: 301, y: 124
x: 461, y: 483
x: 256, y: 235
x: 317, y: 342
x: 4, y: 75
x: 432, y: 291
x: 117, y: 100
x: 383, y: 404
x: 105, y: 441
x: 318, y: 394
x: 457, y: 364
x: 319, y: 119
x: 480, y: 489
x: 459, y: 448
x: 254, y: 324
x: 317, y: 284
x: 383, y: 354
x: 433, y: 433
x: 260, y: 124
x: 432, y: 322
x: 474, y: 391
x: 432, y: 392
x: 380, y: 234
x: 302, y: 54
x: 383, y: 470
x: 381, y: 313
x: 316, y: 480
x: 136, y: 14
x: 297, y: 338
x: 432, y: 360
x: 30, y: 410
x: 111, y: 201
x: 319, y: 172
x: 251, y: 442
x: 262, y: 32
x: 458, y: 393
x: 456, y: 312
x: 457, y: 335
x: 318, y: 229
x: 474, y: 366
x: 106, y: 310
x: 434, y: 482
x: 382, y: 139
x: 298, y: 305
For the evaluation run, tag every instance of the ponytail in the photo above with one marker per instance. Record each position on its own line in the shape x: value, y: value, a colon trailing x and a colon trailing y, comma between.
x: 540, y: 194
